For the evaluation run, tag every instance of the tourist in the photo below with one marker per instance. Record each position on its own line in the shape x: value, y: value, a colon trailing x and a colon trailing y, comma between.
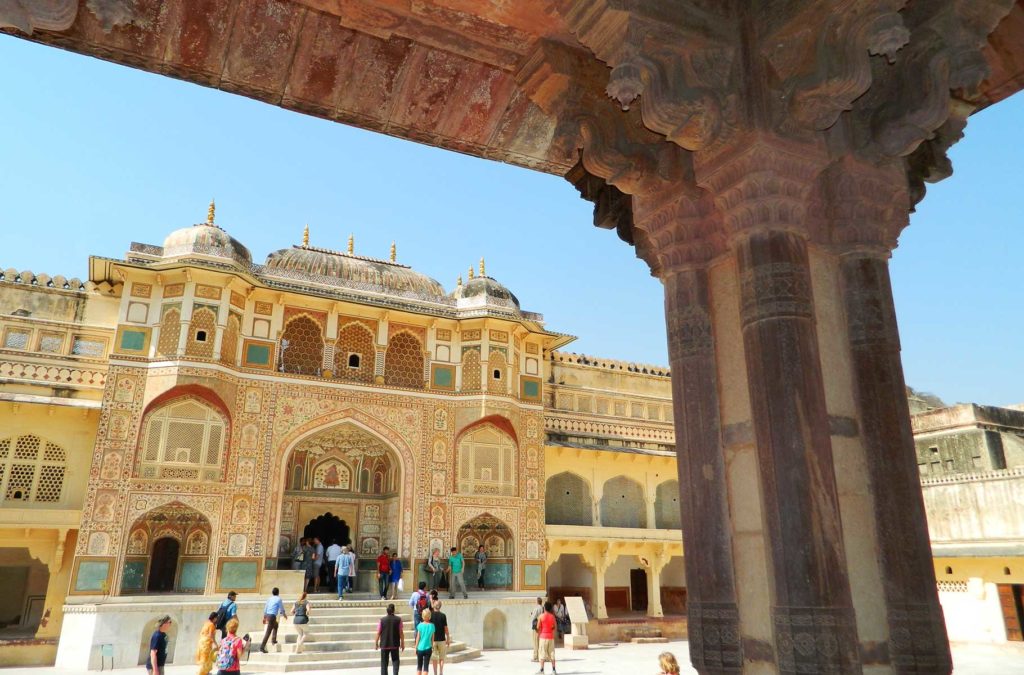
x: 390, y: 638
x: 546, y: 637
x: 534, y: 618
x: 318, y: 562
x: 297, y: 554
x: 341, y: 572
x: 158, y: 646
x: 442, y: 638
x: 231, y: 648
x: 300, y: 617
x: 434, y: 568
x: 207, y: 647
x: 456, y: 568
x: 419, y: 601
x: 353, y: 568
x: 227, y: 611
x: 307, y: 563
x: 273, y: 609
x: 424, y: 643
x: 668, y: 663
x: 383, y: 572
x: 333, y: 551
x: 396, y: 576
x: 561, y: 617
x: 481, y: 564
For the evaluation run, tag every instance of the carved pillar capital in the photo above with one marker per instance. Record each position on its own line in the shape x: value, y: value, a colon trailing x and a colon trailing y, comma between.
x: 761, y: 182
x: 860, y: 207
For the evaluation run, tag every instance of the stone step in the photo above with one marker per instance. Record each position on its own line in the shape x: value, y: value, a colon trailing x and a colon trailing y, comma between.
x: 648, y: 640
x: 371, y: 661
x: 340, y: 634
x: 340, y: 650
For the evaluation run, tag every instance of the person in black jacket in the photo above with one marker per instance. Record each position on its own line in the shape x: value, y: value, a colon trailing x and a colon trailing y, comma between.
x: 390, y: 638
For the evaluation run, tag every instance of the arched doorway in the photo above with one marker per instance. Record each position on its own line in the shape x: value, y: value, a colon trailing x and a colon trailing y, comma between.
x: 343, y: 483
x: 328, y: 528
x: 163, y: 566
x: 496, y: 538
x: 168, y: 552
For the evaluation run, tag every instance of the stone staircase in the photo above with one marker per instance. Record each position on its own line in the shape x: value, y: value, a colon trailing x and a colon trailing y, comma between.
x: 340, y: 634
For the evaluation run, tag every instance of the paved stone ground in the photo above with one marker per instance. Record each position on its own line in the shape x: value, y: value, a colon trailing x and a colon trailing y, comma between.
x: 609, y: 659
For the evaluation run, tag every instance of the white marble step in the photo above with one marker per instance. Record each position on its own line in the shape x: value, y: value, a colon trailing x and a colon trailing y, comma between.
x: 370, y: 660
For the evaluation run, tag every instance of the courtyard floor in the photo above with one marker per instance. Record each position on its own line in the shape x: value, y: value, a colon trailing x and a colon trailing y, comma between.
x: 969, y: 659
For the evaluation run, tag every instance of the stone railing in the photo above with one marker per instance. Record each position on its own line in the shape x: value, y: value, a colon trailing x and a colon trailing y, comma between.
x: 57, y: 282
x: 610, y: 364
x: 588, y: 427
x: 998, y: 474
x: 39, y: 373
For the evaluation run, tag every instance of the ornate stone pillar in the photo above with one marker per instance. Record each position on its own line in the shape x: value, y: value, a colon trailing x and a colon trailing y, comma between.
x: 655, y: 565
x: 713, y: 618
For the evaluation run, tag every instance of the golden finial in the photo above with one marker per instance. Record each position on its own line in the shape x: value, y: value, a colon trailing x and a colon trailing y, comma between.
x: 394, y: 252
x: 482, y: 273
x: 305, y: 236
x: 211, y: 212
x: 351, y: 244
x: 470, y: 271
x: 459, y: 281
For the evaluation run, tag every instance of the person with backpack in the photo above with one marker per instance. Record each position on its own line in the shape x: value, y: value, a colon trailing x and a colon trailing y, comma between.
x: 300, y: 617
x: 419, y: 601
x: 383, y: 572
x: 227, y: 611
x: 434, y: 569
x: 390, y: 638
x: 231, y: 648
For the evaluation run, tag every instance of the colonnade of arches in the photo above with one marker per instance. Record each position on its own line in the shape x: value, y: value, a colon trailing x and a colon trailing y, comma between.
x: 623, y: 502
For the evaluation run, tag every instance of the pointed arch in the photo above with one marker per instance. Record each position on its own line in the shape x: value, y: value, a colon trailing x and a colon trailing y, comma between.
x: 567, y: 500
x: 354, y: 353
x: 486, y: 460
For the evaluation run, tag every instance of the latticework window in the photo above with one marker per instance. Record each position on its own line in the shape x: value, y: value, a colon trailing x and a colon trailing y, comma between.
x: 183, y: 439
x: 51, y: 343
x: 354, y: 339
x: 471, y: 370
x: 403, y: 362
x: 200, y: 333
x: 302, y: 347
x: 496, y: 373
x: 485, y: 461
x: 229, y: 341
x: 16, y: 338
x: 31, y: 470
x: 170, y: 331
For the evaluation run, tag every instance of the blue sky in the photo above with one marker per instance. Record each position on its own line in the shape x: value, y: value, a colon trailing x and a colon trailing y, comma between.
x: 94, y: 156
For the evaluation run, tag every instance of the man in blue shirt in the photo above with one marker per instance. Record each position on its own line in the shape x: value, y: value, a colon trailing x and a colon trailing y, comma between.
x: 225, y: 613
x: 273, y: 609
x: 341, y: 571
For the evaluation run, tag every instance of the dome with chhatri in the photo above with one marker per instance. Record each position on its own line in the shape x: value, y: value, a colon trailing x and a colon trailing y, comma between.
x: 483, y: 290
x: 372, y: 274
x: 207, y: 239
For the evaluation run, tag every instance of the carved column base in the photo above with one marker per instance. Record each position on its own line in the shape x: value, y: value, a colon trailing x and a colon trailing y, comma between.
x: 814, y: 639
x: 714, y: 634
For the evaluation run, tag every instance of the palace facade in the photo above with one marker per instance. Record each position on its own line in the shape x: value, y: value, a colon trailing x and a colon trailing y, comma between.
x: 174, y: 423
x: 177, y: 421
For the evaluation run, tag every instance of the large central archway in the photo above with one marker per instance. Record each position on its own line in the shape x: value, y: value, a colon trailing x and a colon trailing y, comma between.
x: 342, y: 483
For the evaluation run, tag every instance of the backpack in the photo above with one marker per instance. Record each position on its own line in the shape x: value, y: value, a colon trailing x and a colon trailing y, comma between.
x: 422, y: 603
x: 226, y: 653
x: 221, y: 619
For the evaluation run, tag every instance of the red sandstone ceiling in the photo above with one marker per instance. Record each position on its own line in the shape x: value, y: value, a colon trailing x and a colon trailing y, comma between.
x: 435, y: 71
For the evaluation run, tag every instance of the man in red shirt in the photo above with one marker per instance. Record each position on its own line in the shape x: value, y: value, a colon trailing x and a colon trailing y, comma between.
x: 546, y: 631
x: 383, y: 572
